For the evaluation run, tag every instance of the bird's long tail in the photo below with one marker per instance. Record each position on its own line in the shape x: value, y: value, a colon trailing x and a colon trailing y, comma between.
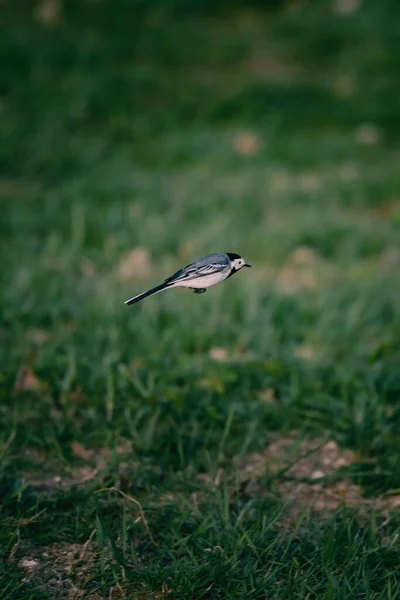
x: 155, y: 290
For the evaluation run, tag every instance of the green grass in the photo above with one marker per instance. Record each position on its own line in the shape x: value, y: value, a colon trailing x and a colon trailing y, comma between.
x: 181, y: 130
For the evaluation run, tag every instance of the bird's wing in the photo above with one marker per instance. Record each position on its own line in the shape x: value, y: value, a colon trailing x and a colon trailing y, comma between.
x: 214, y: 263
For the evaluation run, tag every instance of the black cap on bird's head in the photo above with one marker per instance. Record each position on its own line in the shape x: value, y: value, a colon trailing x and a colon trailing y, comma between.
x: 232, y: 255
x: 237, y: 260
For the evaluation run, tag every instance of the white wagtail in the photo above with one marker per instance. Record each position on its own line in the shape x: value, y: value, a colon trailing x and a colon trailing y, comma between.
x: 199, y: 275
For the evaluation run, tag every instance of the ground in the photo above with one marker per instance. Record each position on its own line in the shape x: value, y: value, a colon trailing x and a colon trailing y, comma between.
x: 239, y: 444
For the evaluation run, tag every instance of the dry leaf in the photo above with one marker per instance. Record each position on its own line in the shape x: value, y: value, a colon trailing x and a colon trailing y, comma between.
x: 87, y: 268
x: 103, y: 455
x: 368, y: 134
x: 348, y: 172
x: 81, y: 452
x: 304, y: 255
x: 246, y: 143
x: 291, y: 279
x: 125, y: 447
x: 29, y: 564
x: 39, y: 336
x: 77, y: 395
x: 293, y: 6
x: 136, y: 364
x: 280, y: 182
x: 135, y: 264
x: 390, y: 502
x: 53, y: 263
x: 49, y: 12
x: 218, y: 354
x: 391, y: 208
x: 390, y: 256
x: 213, y: 384
x: 310, y: 182
x: 343, y: 86
x: 214, y: 549
x: 306, y: 352
x: 27, y: 380
x: 265, y: 66
x: 299, y: 272
x: 204, y: 477
x: 267, y: 395
x: 345, y: 7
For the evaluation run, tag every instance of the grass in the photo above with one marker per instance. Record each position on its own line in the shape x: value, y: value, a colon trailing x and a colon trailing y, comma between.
x: 136, y: 138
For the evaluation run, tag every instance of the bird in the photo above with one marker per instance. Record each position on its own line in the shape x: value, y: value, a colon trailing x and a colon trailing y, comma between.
x: 199, y: 275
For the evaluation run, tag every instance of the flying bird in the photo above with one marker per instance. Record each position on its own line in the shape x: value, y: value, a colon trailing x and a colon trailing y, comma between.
x: 199, y: 275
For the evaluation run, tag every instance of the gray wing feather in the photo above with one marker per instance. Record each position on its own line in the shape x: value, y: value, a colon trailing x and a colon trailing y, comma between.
x: 213, y: 263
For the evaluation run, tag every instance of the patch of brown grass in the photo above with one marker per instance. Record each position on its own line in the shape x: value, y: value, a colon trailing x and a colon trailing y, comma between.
x: 48, y: 475
x: 308, y: 477
x: 65, y: 570
x: 61, y: 570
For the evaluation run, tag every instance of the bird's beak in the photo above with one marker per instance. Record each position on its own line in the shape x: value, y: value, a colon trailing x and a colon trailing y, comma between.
x: 246, y: 265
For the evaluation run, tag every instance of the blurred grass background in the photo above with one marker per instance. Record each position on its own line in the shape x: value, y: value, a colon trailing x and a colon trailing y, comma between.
x: 137, y: 136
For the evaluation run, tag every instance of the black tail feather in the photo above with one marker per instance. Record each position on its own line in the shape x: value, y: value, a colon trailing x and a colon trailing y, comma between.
x: 155, y: 290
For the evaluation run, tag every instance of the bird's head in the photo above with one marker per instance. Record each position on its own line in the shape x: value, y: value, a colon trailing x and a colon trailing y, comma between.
x: 237, y: 262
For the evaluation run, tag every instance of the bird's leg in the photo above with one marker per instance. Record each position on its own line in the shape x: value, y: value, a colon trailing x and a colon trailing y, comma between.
x: 199, y: 290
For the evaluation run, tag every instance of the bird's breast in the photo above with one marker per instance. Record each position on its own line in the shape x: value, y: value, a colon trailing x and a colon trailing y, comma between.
x: 204, y: 281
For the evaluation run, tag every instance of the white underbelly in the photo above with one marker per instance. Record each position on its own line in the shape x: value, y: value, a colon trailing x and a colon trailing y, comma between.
x: 202, y: 282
